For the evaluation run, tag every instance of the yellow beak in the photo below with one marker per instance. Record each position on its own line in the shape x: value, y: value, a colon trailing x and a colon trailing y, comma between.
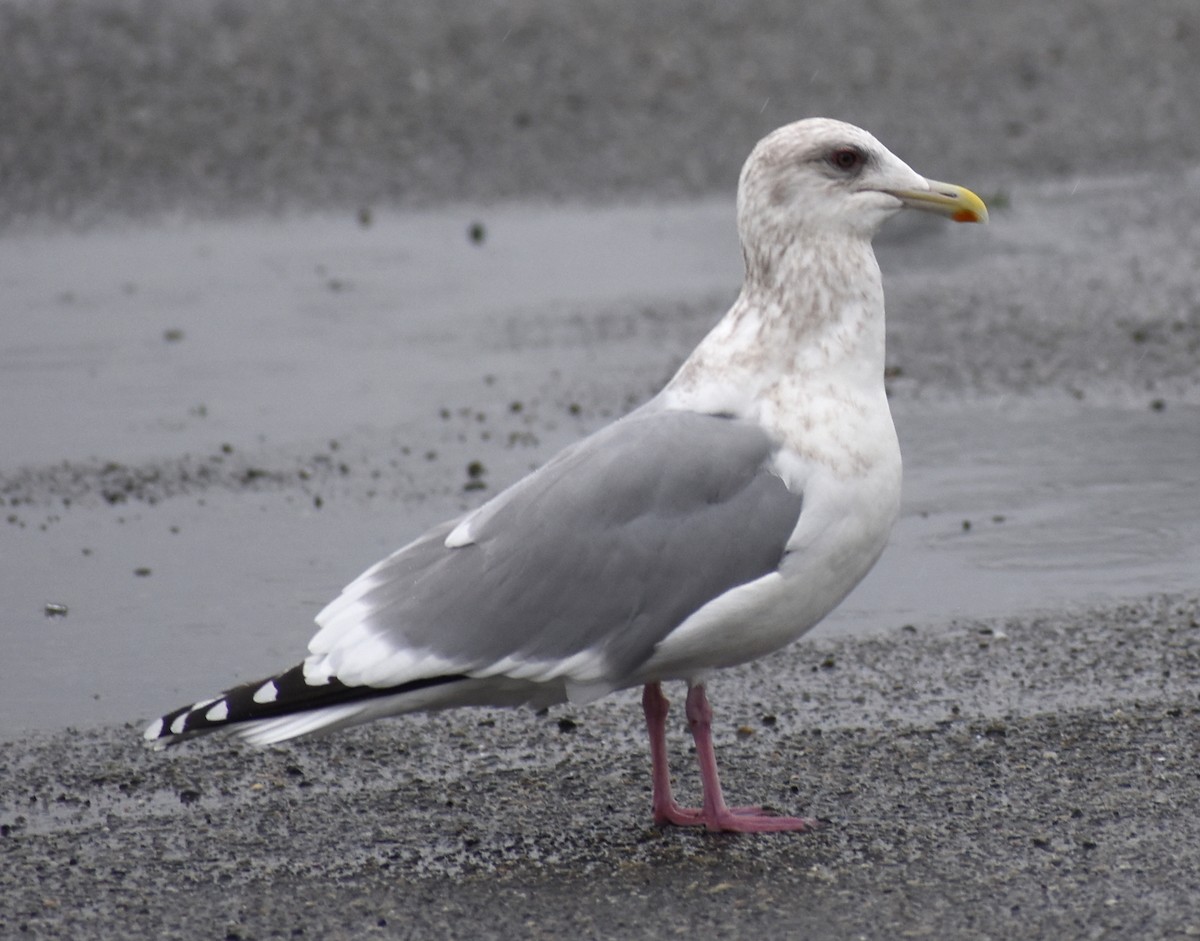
x: 946, y: 199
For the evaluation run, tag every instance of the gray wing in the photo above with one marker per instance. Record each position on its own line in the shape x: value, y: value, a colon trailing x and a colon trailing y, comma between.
x: 596, y: 556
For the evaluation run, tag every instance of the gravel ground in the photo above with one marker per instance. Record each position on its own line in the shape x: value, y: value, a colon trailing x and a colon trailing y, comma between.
x: 1030, y: 777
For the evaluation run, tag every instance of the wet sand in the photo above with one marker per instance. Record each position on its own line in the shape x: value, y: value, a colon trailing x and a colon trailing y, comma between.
x: 226, y: 389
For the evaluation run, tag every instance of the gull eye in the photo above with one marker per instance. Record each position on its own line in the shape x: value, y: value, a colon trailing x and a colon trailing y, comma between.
x: 847, y: 159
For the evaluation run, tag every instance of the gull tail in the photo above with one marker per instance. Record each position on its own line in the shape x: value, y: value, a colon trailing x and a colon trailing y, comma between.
x: 285, y: 706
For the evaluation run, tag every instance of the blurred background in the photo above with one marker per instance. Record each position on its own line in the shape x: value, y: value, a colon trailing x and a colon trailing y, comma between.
x: 216, y: 106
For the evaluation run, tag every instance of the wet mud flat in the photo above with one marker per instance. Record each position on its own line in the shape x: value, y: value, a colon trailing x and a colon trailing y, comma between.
x: 997, y: 779
x: 215, y: 426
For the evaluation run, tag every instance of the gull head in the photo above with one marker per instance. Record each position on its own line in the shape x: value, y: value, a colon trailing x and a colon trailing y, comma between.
x: 823, y: 178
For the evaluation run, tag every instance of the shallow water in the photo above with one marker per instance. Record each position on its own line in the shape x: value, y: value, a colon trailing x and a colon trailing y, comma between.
x: 254, y: 345
x: 1057, y: 513
x: 1010, y: 513
x: 140, y: 343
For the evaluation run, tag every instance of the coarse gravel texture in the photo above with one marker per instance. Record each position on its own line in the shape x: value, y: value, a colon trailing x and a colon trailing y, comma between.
x: 989, y: 780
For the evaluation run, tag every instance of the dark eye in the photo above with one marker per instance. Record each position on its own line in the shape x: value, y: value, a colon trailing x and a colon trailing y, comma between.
x: 847, y: 159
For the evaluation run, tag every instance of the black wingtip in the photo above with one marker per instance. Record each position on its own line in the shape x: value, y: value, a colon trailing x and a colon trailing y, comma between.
x: 283, y: 694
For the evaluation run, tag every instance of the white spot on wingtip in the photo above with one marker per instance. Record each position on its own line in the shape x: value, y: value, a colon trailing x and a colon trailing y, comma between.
x: 218, y: 713
x: 268, y: 692
x: 153, y: 730
x: 317, y: 671
x: 461, y: 535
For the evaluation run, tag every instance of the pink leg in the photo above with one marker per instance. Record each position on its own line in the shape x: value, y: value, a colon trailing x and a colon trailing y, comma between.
x: 663, y: 806
x: 715, y: 814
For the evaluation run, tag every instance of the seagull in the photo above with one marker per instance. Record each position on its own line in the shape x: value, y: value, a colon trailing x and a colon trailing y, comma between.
x: 711, y: 526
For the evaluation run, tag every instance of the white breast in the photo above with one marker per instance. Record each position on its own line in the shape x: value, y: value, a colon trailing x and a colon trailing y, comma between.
x: 850, y: 505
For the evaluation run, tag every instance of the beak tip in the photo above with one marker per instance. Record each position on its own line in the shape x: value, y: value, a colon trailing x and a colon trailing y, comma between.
x: 971, y: 215
x: 946, y: 199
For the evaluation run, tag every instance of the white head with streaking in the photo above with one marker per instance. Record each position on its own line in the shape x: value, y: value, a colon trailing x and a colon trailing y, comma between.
x: 811, y: 196
x: 713, y: 525
x: 821, y: 178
